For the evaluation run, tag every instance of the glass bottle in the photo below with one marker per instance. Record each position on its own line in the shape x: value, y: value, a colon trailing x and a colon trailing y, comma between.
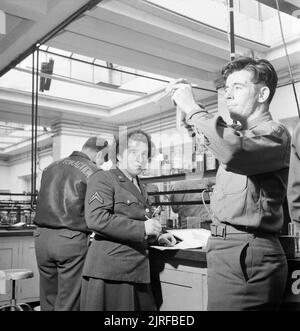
x: 4, y: 217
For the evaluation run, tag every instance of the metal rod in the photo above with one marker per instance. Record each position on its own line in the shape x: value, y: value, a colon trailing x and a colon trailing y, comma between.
x: 32, y: 124
x: 119, y: 70
x: 231, y: 35
x: 36, y: 119
x: 84, y: 83
x: 231, y: 21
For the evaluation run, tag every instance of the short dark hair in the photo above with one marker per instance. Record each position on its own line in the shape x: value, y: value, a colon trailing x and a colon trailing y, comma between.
x: 95, y: 144
x: 262, y: 70
x: 137, y: 135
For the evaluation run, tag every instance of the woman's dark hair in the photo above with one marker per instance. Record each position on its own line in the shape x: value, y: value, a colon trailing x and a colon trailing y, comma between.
x: 137, y: 135
x: 262, y: 70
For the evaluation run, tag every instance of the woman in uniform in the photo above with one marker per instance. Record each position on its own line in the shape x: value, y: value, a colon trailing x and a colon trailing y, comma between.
x: 116, y: 273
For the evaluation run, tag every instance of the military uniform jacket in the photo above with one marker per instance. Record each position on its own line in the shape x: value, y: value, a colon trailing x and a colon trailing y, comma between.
x: 115, y: 210
x: 251, y: 181
x: 294, y: 177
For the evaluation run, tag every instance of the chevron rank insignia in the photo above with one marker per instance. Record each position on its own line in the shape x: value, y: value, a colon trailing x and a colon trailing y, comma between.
x: 96, y: 197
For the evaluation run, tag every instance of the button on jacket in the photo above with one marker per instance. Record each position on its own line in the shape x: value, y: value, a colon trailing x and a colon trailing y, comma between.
x: 251, y: 181
x: 61, y: 197
x: 115, y: 210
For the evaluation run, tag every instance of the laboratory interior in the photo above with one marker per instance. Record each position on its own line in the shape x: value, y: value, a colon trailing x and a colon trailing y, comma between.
x: 70, y: 70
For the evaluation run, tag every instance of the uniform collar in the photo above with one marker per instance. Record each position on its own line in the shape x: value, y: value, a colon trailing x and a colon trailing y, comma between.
x: 129, y: 185
x: 121, y: 175
x: 125, y: 172
x: 258, y: 120
x: 81, y: 154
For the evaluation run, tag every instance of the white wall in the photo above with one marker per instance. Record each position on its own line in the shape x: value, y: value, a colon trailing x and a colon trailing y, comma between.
x: 21, y: 168
x: 283, y: 106
x: 4, y: 176
x: 64, y: 145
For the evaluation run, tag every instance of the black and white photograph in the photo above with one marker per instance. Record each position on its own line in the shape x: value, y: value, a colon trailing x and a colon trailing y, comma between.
x: 149, y: 158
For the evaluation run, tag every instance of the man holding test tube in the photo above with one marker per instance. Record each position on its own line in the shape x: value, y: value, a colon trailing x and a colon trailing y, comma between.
x: 247, y: 267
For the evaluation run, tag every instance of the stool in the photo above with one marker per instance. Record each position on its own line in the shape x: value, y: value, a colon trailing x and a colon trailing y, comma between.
x: 13, y: 275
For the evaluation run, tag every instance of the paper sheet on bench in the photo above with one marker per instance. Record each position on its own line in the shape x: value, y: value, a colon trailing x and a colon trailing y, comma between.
x: 191, y: 238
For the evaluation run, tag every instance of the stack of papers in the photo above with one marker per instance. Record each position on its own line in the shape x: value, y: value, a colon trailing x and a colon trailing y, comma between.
x: 188, y: 238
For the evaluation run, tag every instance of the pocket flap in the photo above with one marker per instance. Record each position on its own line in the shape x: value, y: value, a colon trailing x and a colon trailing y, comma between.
x: 69, y: 233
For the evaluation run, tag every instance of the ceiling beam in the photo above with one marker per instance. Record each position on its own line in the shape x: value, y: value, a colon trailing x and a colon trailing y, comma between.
x: 131, y: 58
x: 144, y: 43
x: 19, y: 102
x: 170, y: 27
x: 58, y: 17
x: 212, y: 21
x: 25, y: 143
x: 30, y: 9
x: 150, y: 25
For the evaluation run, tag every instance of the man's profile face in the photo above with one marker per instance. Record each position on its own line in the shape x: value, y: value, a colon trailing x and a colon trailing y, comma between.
x: 241, y: 95
x: 135, y: 157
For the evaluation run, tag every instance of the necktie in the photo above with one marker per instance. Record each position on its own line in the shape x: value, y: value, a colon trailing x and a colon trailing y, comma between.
x: 135, y: 182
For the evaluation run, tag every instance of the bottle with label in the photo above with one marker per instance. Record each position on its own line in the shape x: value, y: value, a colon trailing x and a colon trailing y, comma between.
x: 165, y: 169
x: 199, y: 162
x: 210, y: 161
x: 22, y: 216
x: 32, y: 216
x: 12, y: 217
x: 27, y: 217
x: 4, y: 217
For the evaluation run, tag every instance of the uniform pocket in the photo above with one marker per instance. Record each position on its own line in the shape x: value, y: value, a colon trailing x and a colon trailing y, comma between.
x: 246, y: 261
x: 128, y: 200
x: 69, y: 233
x: 234, y: 184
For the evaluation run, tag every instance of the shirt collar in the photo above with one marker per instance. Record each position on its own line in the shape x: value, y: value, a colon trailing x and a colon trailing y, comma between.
x: 262, y: 118
x: 77, y: 153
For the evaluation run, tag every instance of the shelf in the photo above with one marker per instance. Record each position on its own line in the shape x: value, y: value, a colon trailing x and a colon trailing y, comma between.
x: 179, y: 203
x: 208, y: 175
x: 17, y: 228
x: 200, y: 190
x: 17, y: 194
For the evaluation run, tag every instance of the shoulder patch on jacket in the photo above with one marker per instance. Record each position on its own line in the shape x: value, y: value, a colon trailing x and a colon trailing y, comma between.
x: 96, y: 197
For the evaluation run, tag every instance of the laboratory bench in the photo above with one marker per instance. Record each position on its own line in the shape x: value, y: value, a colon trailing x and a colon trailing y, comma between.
x: 179, y: 279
